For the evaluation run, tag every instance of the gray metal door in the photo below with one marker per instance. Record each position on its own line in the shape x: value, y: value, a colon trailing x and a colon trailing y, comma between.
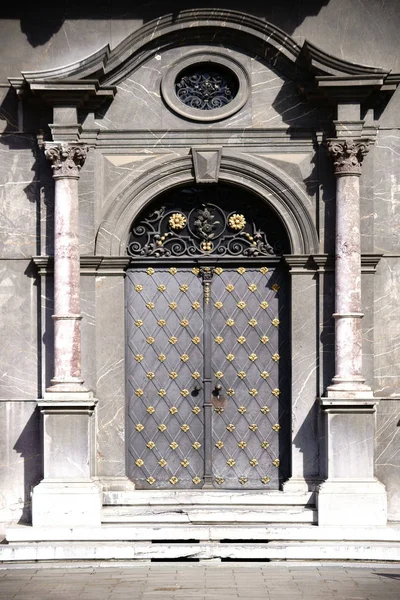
x: 207, y: 376
x: 164, y: 377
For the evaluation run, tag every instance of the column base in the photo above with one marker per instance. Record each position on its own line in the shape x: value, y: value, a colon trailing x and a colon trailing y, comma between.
x: 115, y: 484
x: 67, y: 504
x: 299, y: 485
x: 352, y: 400
x: 352, y: 503
x: 56, y: 399
x: 59, y: 391
x: 348, y: 389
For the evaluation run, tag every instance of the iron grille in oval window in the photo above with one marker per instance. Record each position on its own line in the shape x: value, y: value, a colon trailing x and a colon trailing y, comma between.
x: 206, y: 86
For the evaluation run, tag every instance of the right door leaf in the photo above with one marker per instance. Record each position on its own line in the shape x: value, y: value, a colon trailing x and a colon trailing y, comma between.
x: 247, y: 348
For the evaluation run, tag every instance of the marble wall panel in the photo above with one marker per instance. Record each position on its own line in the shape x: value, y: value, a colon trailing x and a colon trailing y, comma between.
x: 367, y: 296
x: 19, y: 192
x: 86, y: 193
x: 88, y: 330
x: 305, y: 453
x: 387, y: 192
x: 9, y: 117
x: 67, y: 449
x: 20, y: 459
x: 110, y: 385
x: 326, y: 215
x: 326, y: 284
x: 46, y: 361
x: 115, y: 172
x: 389, y: 114
x: 295, y: 168
x: 387, y: 453
x: 18, y: 329
x: 350, y: 445
x: 367, y: 214
x: 275, y: 101
x: 387, y: 327
x: 46, y: 207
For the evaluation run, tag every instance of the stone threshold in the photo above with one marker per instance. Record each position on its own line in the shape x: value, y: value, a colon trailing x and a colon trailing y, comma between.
x: 235, y: 550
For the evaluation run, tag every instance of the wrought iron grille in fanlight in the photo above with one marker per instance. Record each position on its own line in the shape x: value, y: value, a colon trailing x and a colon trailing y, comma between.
x: 197, y: 222
x: 206, y: 87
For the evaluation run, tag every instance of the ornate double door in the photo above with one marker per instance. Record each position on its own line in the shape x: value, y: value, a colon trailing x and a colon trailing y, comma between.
x: 207, y: 374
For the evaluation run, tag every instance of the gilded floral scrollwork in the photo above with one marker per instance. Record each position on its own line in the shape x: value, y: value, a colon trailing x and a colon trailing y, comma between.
x: 197, y: 229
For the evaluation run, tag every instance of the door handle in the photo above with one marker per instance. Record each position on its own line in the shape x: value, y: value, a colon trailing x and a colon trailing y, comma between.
x: 217, y: 400
x: 197, y: 387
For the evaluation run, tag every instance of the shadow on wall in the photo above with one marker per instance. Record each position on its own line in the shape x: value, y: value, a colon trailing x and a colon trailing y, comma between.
x: 41, y: 20
x: 28, y: 447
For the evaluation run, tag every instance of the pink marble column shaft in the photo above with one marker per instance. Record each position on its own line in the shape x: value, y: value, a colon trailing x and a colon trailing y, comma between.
x: 67, y: 160
x: 348, y: 155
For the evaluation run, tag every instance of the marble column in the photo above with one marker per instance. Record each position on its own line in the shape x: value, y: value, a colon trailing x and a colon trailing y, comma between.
x: 348, y: 156
x: 351, y: 495
x: 67, y: 160
x: 67, y: 495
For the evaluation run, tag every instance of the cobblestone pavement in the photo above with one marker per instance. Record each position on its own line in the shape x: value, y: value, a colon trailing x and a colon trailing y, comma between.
x: 203, y: 581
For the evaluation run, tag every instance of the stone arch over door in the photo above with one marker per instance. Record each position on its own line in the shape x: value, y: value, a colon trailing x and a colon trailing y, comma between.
x: 208, y: 348
x: 275, y: 189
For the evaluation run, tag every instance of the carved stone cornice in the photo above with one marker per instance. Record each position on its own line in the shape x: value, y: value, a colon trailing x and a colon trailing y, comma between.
x: 348, y: 154
x: 67, y: 159
x: 89, y: 265
x: 300, y: 264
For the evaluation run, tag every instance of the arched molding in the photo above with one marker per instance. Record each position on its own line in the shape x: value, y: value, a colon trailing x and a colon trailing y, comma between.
x: 113, y: 233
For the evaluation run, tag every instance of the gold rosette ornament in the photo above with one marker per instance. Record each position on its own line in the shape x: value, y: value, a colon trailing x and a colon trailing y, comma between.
x: 236, y: 221
x: 177, y: 221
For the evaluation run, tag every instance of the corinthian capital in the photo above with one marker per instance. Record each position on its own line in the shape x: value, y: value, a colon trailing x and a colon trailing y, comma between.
x: 348, y: 154
x: 67, y: 159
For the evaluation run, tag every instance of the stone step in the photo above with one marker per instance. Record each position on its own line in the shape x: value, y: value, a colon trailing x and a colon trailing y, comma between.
x: 270, y: 551
x: 206, y: 497
x: 192, y: 514
x: 211, y: 533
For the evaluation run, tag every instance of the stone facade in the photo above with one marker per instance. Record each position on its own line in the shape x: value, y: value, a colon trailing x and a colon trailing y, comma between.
x: 93, y: 133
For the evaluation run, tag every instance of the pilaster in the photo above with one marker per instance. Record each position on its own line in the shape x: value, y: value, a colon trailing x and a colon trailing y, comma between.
x: 305, y: 459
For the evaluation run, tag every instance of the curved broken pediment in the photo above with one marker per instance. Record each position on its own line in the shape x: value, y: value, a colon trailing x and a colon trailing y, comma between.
x: 317, y: 74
